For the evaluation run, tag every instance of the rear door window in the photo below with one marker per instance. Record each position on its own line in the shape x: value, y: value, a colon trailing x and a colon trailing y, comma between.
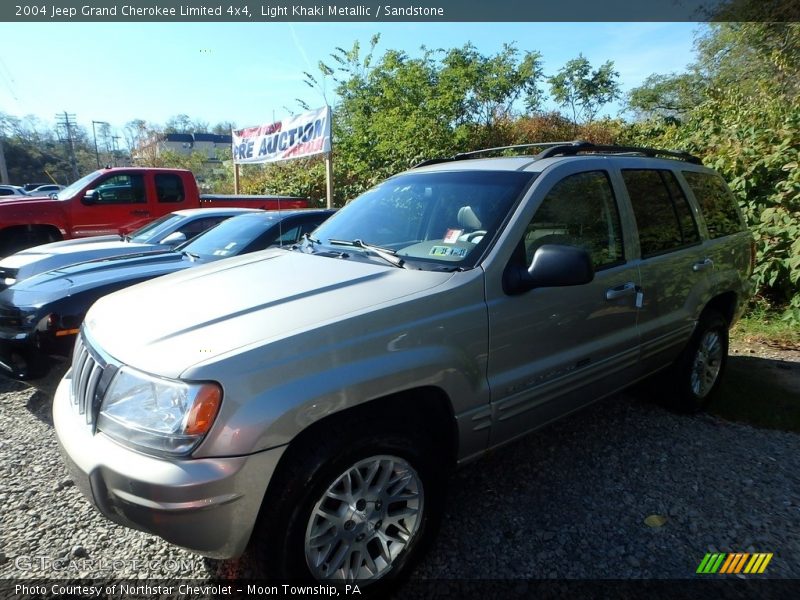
x: 663, y: 216
x: 169, y: 188
x: 716, y: 203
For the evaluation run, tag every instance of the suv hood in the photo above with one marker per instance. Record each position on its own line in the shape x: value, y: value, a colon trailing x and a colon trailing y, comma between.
x: 169, y: 324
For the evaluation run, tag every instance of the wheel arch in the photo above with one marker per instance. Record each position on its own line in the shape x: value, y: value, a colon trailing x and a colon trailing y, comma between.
x: 427, y: 408
x: 19, y: 237
x: 726, y: 304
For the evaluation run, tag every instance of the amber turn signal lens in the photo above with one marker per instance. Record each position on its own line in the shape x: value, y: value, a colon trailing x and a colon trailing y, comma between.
x: 204, y: 411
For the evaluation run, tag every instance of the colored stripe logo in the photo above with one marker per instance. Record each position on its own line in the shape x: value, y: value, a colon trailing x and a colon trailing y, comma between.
x: 734, y: 562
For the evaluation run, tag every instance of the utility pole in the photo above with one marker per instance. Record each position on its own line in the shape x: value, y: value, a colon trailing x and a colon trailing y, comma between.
x: 104, y: 126
x: 94, y: 135
x: 114, y: 148
x: 66, y: 122
x: 3, y: 168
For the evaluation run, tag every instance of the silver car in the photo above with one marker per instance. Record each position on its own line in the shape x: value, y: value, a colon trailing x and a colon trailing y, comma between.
x: 164, y: 233
x: 309, y: 402
x: 10, y: 192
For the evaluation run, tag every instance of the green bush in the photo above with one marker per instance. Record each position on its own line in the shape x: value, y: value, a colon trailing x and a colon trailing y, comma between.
x: 754, y: 142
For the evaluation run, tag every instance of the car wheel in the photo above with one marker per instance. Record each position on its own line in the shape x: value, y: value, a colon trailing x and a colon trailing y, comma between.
x: 352, y: 509
x: 702, y: 363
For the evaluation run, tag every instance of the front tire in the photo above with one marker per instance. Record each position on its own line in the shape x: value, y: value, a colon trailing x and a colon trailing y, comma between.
x: 352, y: 508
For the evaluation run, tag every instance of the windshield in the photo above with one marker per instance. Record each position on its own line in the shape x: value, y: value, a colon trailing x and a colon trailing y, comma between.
x: 152, y: 232
x: 74, y: 188
x: 428, y: 219
x: 230, y: 237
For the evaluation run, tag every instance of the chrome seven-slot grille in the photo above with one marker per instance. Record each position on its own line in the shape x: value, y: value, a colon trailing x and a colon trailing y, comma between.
x: 86, y: 373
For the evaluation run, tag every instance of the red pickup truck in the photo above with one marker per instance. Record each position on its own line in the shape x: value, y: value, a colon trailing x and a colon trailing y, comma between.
x: 116, y: 200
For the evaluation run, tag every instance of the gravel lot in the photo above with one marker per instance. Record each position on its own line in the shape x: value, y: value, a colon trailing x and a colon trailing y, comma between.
x: 568, y: 502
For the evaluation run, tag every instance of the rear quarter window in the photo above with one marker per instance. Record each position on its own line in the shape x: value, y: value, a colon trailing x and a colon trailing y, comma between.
x: 716, y: 203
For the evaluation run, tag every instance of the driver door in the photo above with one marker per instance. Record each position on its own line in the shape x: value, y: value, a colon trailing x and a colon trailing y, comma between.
x: 552, y: 350
x: 119, y: 205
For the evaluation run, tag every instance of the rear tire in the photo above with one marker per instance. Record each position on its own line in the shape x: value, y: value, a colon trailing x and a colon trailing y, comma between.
x: 699, y: 369
x: 354, y: 508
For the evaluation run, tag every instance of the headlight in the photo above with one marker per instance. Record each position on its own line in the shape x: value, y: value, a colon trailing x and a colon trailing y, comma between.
x: 161, y: 415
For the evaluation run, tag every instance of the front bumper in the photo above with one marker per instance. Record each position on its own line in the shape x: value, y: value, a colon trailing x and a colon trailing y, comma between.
x: 27, y: 354
x: 207, y: 505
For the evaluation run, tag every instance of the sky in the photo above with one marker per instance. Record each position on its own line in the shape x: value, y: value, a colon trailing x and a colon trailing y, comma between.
x: 252, y: 73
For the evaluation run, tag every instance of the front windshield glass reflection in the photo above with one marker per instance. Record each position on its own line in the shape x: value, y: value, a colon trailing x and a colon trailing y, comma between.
x: 443, y: 217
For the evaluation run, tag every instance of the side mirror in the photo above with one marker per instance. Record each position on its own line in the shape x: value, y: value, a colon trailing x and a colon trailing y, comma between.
x: 553, y: 265
x: 174, y: 238
x: 91, y: 197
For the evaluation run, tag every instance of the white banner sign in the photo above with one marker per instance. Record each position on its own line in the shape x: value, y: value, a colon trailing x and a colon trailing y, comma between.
x: 304, y: 135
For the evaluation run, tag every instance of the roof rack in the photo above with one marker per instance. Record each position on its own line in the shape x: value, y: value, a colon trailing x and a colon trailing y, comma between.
x: 465, y: 155
x: 573, y: 148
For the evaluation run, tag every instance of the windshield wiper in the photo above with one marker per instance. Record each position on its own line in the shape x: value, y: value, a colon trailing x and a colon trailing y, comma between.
x: 310, y: 242
x: 384, y: 253
x: 191, y: 255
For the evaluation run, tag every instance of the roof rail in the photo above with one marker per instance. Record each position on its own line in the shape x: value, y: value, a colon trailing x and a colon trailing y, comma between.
x: 465, y: 155
x: 573, y: 148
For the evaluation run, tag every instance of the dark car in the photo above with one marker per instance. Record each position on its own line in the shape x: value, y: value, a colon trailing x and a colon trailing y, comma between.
x: 165, y: 233
x: 40, y: 316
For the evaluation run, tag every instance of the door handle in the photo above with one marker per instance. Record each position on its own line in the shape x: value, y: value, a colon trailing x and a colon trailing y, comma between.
x: 703, y: 266
x: 626, y: 289
x: 140, y: 212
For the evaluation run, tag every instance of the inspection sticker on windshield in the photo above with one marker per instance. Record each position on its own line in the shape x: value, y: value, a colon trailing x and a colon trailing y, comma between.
x: 447, y: 251
x: 451, y: 237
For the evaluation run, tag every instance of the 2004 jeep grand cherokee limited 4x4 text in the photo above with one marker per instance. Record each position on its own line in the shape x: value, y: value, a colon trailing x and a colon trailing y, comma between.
x: 314, y: 401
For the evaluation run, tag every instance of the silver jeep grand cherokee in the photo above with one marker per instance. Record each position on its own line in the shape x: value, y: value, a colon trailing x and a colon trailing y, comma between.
x: 311, y: 401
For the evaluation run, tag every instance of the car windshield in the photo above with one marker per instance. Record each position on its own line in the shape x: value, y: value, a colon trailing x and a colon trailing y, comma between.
x: 74, y: 188
x: 230, y: 237
x: 153, y: 232
x: 428, y: 219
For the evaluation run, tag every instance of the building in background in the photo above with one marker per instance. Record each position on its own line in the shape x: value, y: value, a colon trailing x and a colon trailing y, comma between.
x: 208, y: 144
x: 202, y: 153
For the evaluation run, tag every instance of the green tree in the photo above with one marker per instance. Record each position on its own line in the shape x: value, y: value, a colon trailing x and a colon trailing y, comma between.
x: 751, y: 58
x: 395, y: 110
x: 666, y: 96
x: 34, y: 151
x: 582, y: 90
